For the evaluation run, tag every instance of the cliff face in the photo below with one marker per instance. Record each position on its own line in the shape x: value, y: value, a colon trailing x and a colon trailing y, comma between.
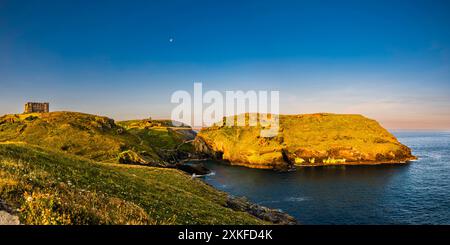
x: 305, y: 140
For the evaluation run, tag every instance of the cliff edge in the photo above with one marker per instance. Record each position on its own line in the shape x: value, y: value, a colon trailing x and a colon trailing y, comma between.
x: 305, y: 140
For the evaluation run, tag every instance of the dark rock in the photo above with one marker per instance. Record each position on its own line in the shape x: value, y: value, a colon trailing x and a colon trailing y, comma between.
x: 196, y: 168
x: 272, y: 215
x: 204, y: 151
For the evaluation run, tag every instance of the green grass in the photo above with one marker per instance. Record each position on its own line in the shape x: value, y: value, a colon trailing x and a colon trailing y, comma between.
x: 168, y: 141
x: 324, y: 132
x: 51, y: 187
x: 94, y: 137
x: 311, y: 139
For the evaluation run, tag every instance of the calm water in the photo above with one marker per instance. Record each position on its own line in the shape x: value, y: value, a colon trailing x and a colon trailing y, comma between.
x: 418, y: 193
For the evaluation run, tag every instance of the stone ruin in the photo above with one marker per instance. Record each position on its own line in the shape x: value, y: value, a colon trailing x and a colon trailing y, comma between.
x: 33, y: 107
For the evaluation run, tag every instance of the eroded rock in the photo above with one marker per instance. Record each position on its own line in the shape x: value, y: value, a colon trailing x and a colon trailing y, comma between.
x: 272, y: 215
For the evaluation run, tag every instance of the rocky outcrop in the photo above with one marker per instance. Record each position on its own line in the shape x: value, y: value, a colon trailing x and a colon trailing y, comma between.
x: 267, y: 214
x: 304, y: 140
x: 8, y: 219
x: 206, y: 150
x: 131, y: 157
x: 6, y: 215
x: 193, y: 168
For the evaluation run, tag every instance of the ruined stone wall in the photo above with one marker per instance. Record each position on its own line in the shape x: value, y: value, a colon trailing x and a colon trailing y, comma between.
x: 32, y: 107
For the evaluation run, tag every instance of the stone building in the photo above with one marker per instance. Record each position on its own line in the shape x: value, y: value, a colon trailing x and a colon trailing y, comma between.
x: 31, y: 107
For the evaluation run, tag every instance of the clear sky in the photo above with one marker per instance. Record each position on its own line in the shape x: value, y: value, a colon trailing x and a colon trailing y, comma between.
x: 388, y: 60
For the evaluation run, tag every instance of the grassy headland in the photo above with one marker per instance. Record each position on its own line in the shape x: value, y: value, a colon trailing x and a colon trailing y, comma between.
x: 67, y: 168
x: 99, y: 138
x: 305, y: 140
x: 49, y: 187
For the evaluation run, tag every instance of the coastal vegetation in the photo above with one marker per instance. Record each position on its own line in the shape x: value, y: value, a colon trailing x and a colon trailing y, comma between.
x: 305, y: 140
x: 150, y: 142
x: 76, y: 168
x: 45, y: 186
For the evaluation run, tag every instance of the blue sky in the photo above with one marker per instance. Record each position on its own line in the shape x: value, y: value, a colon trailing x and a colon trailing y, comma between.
x: 389, y: 60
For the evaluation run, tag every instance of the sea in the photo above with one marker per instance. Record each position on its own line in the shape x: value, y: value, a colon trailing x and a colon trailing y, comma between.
x: 413, y: 193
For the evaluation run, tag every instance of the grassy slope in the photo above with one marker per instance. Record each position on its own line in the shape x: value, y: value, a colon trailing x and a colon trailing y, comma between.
x: 307, y: 137
x: 160, y: 135
x: 61, y: 168
x: 94, y: 137
x: 50, y: 187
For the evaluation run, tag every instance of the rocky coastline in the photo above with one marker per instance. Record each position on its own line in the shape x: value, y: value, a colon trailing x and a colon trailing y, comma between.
x: 274, y: 216
x: 305, y: 141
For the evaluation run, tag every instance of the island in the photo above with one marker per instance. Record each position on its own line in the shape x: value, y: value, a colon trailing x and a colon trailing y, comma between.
x: 304, y: 141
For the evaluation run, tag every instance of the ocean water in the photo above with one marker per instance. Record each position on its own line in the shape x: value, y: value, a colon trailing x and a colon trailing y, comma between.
x: 415, y: 193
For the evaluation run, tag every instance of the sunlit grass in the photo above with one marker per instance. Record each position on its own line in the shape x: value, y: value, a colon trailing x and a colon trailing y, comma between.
x: 49, y: 187
x: 308, y: 140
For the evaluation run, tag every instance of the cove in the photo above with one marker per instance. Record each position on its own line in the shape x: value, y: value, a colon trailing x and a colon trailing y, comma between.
x: 416, y: 193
